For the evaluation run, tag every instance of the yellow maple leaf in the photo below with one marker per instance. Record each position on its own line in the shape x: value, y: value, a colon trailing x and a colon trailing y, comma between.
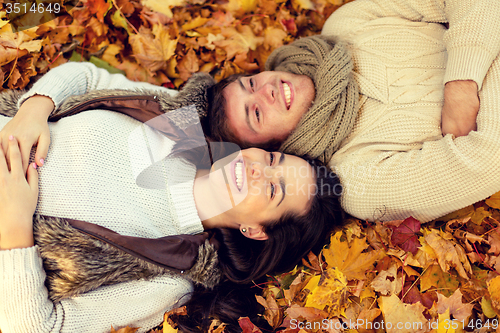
x: 435, y: 277
x: 494, y: 201
x: 494, y: 290
x: 402, y: 318
x: 348, y: 256
x: 153, y: 53
x: 331, y: 290
x: 162, y: 6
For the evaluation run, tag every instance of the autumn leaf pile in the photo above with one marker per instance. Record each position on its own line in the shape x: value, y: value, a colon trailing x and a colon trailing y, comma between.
x: 159, y: 41
x: 441, y: 276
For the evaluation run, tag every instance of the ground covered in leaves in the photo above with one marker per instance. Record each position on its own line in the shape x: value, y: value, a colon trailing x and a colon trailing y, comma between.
x: 399, y: 276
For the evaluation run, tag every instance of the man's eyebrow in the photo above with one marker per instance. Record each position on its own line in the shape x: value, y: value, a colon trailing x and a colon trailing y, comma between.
x: 282, y: 181
x: 282, y: 158
x: 247, y: 116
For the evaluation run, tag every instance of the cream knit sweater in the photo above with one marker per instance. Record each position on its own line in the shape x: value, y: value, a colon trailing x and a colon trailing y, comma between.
x: 396, y: 163
x: 89, y: 174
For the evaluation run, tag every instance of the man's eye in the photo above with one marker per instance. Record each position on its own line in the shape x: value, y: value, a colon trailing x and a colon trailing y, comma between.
x: 271, y: 159
x: 257, y: 114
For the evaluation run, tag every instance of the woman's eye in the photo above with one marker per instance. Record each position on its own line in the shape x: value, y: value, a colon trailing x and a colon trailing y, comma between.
x: 272, y: 190
x: 251, y: 84
x: 271, y: 159
x: 257, y: 114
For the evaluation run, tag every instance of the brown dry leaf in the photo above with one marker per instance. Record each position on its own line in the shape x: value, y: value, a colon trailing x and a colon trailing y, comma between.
x: 304, y: 313
x: 188, y: 65
x: 448, y: 253
x: 395, y: 311
x: 216, y: 326
x: 274, y: 37
x: 378, y: 235
x: 295, y: 287
x: 348, y: 257
x: 153, y: 50
x: 454, y: 304
x: 272, y: 313
x: 17, y: 45
x: 387, y: 282
x: 367, y: 316
x: 238, y: 41
x: 494, y: 241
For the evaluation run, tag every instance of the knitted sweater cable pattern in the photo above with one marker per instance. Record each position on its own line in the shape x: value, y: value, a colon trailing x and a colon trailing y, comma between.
x: 89, y: 175
x: 396, y: 163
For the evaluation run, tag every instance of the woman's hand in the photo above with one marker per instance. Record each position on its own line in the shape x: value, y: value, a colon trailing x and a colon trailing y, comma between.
x: 18, y: 199
x: 461, y: 105
x: 30, y: 127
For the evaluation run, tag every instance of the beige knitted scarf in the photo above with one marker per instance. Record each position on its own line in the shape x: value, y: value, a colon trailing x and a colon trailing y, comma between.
x: 331, y: 116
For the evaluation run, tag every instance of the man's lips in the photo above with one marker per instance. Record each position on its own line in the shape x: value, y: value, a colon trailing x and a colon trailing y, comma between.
x: 287, y: 93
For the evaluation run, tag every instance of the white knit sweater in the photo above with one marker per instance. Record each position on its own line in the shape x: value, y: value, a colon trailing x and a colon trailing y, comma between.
x: 396, y: 163
x: 89, y: 175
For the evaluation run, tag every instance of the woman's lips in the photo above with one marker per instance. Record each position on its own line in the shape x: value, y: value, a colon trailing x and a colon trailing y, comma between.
x: 239, y: 173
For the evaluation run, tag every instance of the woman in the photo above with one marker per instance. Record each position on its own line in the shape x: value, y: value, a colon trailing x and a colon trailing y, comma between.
x: 89, y: 174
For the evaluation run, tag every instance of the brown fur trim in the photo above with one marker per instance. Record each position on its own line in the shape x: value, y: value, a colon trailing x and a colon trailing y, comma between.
x: 76, y: 263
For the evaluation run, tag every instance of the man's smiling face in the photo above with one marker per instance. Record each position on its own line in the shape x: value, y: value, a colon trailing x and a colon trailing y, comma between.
x: 267, y: 106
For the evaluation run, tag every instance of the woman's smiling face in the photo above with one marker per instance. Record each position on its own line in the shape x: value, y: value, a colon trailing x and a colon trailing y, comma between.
x: 267, y: 106
x: 262, y: 186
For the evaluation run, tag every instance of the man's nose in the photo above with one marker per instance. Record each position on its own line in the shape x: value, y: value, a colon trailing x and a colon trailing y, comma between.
x: 269, y: 92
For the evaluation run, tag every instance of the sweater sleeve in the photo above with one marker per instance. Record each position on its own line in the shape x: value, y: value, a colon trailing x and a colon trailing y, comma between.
x: 429, y: 180
x: 472, y: 40
x: 26, y: 308
x: 77, y: 78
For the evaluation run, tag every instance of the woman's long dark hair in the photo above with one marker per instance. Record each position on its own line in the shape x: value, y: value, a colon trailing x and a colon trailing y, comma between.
x: 243, y: 260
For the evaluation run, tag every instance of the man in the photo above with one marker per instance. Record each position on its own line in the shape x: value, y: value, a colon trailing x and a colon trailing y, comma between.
x: 419, y: 66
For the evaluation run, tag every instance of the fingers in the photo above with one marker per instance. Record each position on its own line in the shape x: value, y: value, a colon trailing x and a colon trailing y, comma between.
x: 3, y: 162
x: 16, y: 163
x: 42, y: 149
x: 33, y: 177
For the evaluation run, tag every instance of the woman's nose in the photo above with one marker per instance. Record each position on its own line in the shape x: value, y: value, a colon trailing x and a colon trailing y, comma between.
x: 258, y: 171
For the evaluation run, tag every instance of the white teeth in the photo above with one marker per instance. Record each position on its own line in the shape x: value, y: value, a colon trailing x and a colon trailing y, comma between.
x: 238, y: 171
x: 288, y: 94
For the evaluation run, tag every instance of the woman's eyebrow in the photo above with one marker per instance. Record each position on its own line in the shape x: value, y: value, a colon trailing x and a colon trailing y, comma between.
x: 247, y: 116
x: 282, y: 180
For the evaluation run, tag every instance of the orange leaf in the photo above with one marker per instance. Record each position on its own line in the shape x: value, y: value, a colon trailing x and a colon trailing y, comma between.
x: 98, y: 7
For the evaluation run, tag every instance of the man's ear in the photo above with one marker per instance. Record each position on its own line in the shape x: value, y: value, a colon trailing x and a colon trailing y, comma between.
x: 255, y: 233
